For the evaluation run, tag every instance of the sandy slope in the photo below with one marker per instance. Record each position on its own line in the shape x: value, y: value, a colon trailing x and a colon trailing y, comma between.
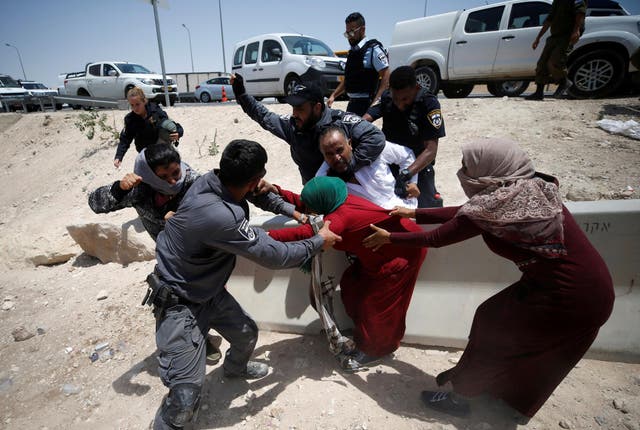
x: 49, y: 167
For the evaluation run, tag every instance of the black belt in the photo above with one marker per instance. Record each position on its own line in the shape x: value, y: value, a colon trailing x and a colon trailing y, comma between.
x: 161, y: 295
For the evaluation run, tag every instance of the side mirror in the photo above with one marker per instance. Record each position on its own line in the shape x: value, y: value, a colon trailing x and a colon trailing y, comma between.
x: 112, y: 73
x: 277, y: 53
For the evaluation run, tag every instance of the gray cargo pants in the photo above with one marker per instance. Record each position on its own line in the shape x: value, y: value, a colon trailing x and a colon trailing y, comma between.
x: 181, y: 340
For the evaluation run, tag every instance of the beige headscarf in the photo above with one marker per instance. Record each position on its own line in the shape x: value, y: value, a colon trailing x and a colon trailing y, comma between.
x: 507, y: 200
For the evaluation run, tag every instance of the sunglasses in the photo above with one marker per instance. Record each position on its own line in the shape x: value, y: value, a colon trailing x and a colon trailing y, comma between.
x: 351, y: 33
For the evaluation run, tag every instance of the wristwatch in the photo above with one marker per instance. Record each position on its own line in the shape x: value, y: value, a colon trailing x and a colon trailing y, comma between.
x: 405, y: 175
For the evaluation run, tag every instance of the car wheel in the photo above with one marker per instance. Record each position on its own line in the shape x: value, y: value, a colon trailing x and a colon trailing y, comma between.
x: 290, y: 83
x: 428, y: 79
x: 205, y: 97
x: 507, y: 88
x: 457, y: 91
x: 259, y: 98
x: 596, y: 74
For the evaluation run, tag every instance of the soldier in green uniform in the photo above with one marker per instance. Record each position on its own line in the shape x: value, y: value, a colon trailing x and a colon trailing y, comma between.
x: 566, y: 20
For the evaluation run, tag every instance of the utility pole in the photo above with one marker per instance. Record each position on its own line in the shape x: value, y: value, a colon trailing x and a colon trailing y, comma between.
x: 224, y: 59
x: 164, y: 75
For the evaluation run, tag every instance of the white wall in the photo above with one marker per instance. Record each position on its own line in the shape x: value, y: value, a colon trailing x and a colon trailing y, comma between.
x: 455, y: 280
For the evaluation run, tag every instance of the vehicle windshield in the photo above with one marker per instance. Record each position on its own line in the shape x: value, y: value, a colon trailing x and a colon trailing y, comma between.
x: 8, y: 82
x: 132, y: 68
x: 307, y: 46
x: 33, y: 86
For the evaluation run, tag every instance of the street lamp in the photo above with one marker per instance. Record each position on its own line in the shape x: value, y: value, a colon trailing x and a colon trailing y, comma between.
x: 190, y: 50
x: 224, y: 61
x: 19, y: 58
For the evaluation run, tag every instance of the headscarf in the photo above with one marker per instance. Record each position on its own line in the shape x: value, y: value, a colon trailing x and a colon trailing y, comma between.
x: 142, y: 169
x: 507, y: 200
x: 324, y: 194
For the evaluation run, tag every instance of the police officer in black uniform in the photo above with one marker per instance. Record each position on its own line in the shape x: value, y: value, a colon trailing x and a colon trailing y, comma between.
x: 308, y: 118
x: 412, y: 117
x: 367, y: 66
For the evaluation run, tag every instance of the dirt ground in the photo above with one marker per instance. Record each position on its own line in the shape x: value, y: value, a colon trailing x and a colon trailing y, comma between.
x: 48, y: 381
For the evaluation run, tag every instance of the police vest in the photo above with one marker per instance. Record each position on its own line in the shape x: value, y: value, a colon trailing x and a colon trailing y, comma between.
x: 357, y: 78
x: 401, y: 129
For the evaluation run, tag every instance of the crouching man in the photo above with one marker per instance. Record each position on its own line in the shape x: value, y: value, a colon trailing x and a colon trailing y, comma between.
x: 196, y: 254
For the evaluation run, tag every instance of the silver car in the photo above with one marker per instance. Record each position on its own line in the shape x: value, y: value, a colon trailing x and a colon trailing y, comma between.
x: 211, y: 90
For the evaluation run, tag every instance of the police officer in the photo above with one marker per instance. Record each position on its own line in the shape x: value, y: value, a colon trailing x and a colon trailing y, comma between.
x: 196, y: 253
x: 566, y: 20
x: 367, y: 66
x: 308, y: 118
x: 143, y: 124
x: 412, y: 117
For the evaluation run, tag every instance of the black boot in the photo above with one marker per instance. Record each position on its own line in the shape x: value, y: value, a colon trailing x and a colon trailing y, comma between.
x: 538, y: 94
x: 563, y: 87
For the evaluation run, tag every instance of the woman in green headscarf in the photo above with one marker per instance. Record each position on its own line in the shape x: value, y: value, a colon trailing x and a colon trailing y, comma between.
x: 376, y: 288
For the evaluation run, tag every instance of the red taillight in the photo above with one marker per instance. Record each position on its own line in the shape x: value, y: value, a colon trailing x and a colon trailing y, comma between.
x: 65, y: 82
x: 197, y: 86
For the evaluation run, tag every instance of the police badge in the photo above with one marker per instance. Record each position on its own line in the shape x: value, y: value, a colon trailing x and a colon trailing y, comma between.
x: 435, y: 118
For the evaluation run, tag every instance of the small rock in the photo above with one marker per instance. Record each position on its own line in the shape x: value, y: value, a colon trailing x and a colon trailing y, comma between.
x: 20, y: 333
x: 600, y: 420
x: 41, y: 331
x: 620, y: 405
x: 102, y: 294
x: 69, y: 389
x: 565, y: 424
x: 454, y: 360
x: 68, y: 350
x: 7, y: 305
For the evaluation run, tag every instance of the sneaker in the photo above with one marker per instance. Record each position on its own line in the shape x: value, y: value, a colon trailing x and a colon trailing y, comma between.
x: 213, y: 353
x: 357, y: 361
x: 446, y: 402
x: 254, y: 370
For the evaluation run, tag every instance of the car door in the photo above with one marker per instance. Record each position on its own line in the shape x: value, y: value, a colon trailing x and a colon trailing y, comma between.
x: 251, y: 69
x: 515, y: 56
x: 94, y: 79
x: 110, y: 82
x: 270, y: 68
x: 474, y: 48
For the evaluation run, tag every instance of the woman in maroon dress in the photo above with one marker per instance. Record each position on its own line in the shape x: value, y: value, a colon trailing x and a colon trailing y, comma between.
x: 376, y: 288
x: 525, y: 339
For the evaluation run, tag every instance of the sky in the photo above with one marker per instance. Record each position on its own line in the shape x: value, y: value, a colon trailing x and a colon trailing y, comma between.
x: 54, y: 37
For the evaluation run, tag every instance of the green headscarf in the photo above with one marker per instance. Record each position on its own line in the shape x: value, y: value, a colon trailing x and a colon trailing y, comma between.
x: 324, y: 194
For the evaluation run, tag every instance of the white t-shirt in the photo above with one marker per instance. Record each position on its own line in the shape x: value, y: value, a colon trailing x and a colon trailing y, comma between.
x: 376, y: 182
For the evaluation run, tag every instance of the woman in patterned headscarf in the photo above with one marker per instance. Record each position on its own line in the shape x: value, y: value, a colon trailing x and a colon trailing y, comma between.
x: 376, y: 288
x: 525, y: 339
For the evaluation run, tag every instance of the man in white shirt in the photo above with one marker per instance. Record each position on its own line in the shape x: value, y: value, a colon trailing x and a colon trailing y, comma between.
x: 374, y: 182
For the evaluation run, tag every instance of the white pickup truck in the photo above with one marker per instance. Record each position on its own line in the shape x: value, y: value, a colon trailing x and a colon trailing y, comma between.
x: 112, y: 80
x: 492, y: 45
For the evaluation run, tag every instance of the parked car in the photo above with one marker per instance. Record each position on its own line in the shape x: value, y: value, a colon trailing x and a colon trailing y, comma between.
x: 211, y: 90
x: 492, y: 45
x: 113, y: 79
x: 605, y: 8
x: 12, y: 95
x: 39, y: 92
x: 272, y: 64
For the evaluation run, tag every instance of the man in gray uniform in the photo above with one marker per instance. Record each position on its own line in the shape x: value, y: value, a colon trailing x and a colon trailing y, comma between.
x: 309, y: 117
x: 196, y: 254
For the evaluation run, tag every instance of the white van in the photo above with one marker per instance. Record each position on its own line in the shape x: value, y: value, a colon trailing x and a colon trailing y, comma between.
x: 271, y: 64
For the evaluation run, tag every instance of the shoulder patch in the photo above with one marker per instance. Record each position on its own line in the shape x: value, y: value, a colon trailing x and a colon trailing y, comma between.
x: 246, y: 231
x: 350, y: 118
x: 435, y: 118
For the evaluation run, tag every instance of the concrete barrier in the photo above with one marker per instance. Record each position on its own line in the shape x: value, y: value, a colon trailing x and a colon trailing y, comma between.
x: 456, y: 279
